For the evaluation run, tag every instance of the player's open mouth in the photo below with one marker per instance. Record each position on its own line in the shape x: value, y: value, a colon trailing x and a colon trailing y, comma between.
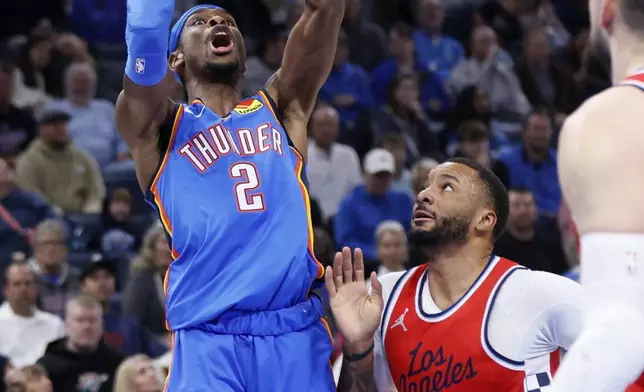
x: 422, y: 216
x: 221, y: 43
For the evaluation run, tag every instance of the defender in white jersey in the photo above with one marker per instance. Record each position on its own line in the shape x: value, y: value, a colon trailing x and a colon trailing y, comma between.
x: 601, y: 169
x: 464, y: 321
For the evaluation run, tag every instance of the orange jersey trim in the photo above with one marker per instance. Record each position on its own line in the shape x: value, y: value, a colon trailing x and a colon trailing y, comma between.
x: 299, y: 167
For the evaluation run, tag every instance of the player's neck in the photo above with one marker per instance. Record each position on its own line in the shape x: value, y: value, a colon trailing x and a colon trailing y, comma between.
x: 220, y: 98
x: 627, y: 56
x: 452, y: 273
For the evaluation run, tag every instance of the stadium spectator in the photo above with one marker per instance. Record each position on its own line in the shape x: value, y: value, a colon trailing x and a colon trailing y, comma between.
x: 119, y: 234
x: 533, y: 164
x: 472, y: 104
x: 474, y: 143
x: 487, y: 70
x: 137, y: 374
x: 81, y: 361
x: 366, y: 41
x: 419, y: 173
x: 20, y: 211
x: 405, y: 116
x: 26, y: 331
x: 391, y: 247
x: 262, y: 66
x: 64, y: 174
x: 526, y: 242
x: 144, y: 298
x: 436, y: 51
x: 17, y: 126
x: 545, y: 84
x: 367, y: 205
x: 395, y: 144
x: 433, y: 95
x: 30, y: 85
x: 503, y: 17
x: 57, y: 280
x: 36, y: 379
x: 333, y: 169
x: 92, y: 126
x: 347, y: 87
x: 127, y: 336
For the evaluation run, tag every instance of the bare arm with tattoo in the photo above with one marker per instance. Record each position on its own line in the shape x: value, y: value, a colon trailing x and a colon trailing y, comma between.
x: 357, y: 376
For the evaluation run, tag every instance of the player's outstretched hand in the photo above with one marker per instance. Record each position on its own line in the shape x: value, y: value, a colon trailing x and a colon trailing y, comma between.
x: 357, y: 314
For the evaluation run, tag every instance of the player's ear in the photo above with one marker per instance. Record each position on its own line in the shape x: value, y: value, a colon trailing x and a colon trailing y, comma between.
x: 176, y: 61
x: 608, y: 13
x: 486, y: 221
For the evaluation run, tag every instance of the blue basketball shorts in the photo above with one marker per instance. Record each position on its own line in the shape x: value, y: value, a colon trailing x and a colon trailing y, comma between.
x: 285, y: 350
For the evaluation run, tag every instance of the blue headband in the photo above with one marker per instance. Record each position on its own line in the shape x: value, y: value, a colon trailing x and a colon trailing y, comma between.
x: 175, y: 33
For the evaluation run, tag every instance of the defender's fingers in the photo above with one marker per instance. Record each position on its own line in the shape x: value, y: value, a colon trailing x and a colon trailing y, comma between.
x: 358, y: 265
x: 337, y: 270
x: 347, y: 265
x: 328, y: 280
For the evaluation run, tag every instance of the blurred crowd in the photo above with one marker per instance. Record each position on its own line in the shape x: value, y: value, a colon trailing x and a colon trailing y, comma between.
x: 414, y: 82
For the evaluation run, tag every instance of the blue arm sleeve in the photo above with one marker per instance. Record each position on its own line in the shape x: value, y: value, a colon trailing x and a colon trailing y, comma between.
x: 146, y: 35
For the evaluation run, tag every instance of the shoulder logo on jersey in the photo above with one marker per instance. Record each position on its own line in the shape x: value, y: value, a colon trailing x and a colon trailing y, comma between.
x: 432, y: 370
x: 400, y: 321
x: 248, y: 106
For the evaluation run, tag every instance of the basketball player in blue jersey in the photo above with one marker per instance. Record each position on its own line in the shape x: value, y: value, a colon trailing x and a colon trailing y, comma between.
x: 226, y: 176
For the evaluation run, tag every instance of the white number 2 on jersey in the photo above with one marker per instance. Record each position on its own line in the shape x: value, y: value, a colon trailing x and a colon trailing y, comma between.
x: 247, y: 200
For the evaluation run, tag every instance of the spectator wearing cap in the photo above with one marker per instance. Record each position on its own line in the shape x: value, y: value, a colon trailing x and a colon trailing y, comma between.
x: 17, y: 126
x: 347, y: 88
x: 26, y: 331
x: 263, y: 66
x: 436, y: 51
x: 474, y: 143
x: 533, y: 163
x: 333, y: 169
x: 433, y: 96
x: 127, y: 336
x: 57, y: 281
x: 20, y: 212
x: 370, y: 204
x: 92, y: 124
x: 67, y: 176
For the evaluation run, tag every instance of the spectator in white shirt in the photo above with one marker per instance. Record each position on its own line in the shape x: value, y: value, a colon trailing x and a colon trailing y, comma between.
x: 26, y: 331
x: 391, y: 247
x: 333, y: 169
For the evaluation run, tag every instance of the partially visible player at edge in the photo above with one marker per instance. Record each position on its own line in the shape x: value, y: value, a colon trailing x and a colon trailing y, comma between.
x: 601, y: 160
x: 227, y: 180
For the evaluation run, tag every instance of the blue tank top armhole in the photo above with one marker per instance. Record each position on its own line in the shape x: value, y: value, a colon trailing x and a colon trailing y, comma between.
x: 280, y: 118
x: 164, y: 145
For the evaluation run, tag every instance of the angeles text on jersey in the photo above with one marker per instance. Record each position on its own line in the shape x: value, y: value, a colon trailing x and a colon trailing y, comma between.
x: 437, y: 370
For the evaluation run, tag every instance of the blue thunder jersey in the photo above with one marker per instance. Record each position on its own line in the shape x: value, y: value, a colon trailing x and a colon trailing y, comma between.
x: 231, y: 194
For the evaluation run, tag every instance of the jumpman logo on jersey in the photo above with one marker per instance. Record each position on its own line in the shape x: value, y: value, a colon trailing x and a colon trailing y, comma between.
x: 400, y: 321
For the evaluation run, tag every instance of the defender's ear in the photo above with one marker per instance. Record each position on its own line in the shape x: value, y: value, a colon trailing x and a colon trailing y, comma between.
x: 176, y: 61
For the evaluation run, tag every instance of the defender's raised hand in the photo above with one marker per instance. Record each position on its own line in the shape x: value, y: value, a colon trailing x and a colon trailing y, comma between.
x: 356, y: 312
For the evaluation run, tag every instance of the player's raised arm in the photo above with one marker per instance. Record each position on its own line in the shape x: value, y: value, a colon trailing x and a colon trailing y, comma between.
x: 143, y: 105
x: 357, y: 314
x: 307, y: 62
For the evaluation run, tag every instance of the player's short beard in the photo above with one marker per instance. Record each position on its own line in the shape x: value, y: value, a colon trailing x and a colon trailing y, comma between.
x: 227, y: 73
x: 447, y: 231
